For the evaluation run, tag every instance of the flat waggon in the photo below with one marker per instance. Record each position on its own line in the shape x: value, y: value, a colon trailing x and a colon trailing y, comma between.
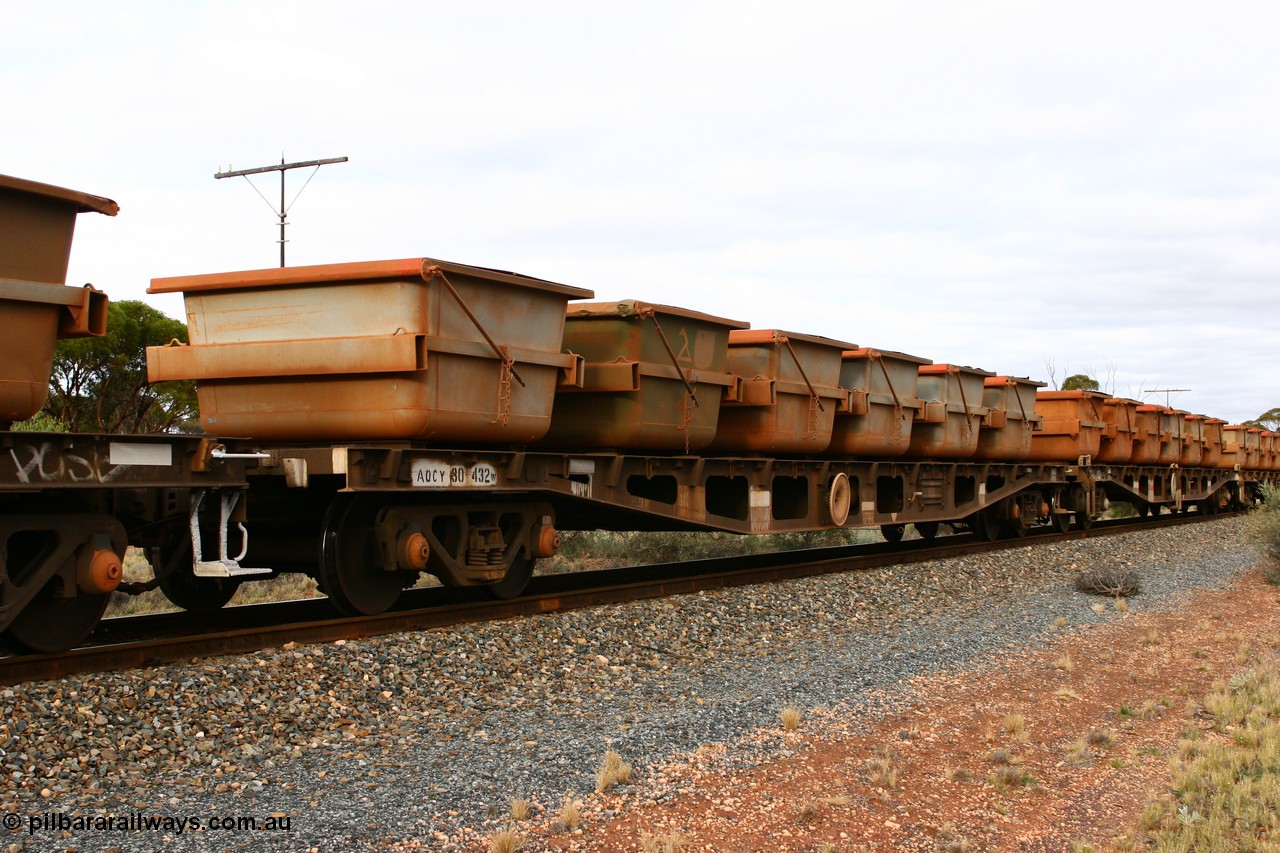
x: 367, y: 422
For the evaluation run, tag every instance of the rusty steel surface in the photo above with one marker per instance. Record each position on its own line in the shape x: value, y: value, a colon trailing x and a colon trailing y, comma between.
x: 1120, y: 430
x: 1193, y: 440
x: 882, y: 405
x: 1011, y: 403
x: 1074, y: 423
x: 554, y: 593
x: 787, y: 395
x: 407, y: 349
x: 1171, y: 435
x: 949, y: 426
x: 1150, y: 436
x: 34, y: 317
x: 1212, y: 457
x: 1269, y: 454
x: 653, y: 378
x: 38, y: 222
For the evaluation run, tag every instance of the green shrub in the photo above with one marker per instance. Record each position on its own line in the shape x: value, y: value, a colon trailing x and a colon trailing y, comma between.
x: 1264, y: 529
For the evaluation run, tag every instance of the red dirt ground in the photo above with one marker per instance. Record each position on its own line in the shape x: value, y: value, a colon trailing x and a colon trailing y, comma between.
x: 1139, y: 678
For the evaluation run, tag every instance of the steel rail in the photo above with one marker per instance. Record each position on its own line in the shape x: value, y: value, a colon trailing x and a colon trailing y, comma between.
x: 152, y: 640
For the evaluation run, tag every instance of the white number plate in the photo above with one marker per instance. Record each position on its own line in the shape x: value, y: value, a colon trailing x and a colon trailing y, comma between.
x: 438, y: 474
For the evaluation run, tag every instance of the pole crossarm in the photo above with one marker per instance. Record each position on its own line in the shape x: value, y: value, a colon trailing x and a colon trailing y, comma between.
x: 279, y: 168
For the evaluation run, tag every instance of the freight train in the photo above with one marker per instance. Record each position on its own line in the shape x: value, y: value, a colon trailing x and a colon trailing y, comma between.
x: 365, y: 423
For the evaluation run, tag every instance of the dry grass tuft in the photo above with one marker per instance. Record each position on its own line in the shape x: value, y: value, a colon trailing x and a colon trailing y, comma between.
x: 1122, y: 606
x: 1065, y: 663
x: 1152, y: 638
x: 1001, y: 756
x: 1149, y: 710
x: 569, y: 815
x: 884, y: 770
x: 505, y: 841
x: 1078, y: 754
x: 673, y: 842
x: 1100, y: 738
x: 1066, y: 693
x: 956, y: 774
x: 1015, y: 725
x: 1108, y: 580
x: 519, y: 809
x: 1060, y: 622
x: 951, y: 841
x: 1007, y: 776
x: 809, y: 812
x: 791, y: 717
x: 613, y: 770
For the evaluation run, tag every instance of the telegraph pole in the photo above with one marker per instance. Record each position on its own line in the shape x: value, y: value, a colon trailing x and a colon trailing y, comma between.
x: 282, y: 168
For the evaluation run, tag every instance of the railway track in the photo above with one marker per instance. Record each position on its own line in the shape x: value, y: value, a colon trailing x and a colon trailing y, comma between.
x: 140, y: 641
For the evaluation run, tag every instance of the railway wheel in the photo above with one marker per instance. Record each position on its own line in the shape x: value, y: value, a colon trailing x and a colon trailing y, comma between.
x: 985, y: 525
x: 516, y: 580
x: 1080, y: 509
x: 180, y: 585
x: 351, y: 572
x: 51, y: 623
x: 893, y: 532
x: 1143, y: 509
x: 1061, y: 521
x: 927, y: 529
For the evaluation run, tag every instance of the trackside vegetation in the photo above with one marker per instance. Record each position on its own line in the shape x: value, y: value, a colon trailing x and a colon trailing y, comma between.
x: 1264, y: 527
x: 1225, y: 793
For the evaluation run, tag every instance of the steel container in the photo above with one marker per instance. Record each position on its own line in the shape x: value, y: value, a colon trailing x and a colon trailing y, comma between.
x: 1120, y: 416
x: 1011, y: 419
x: 1153, y: 436
x: 953, y: 413
x: 1212, y: 457
x: 1234, y: 447
x: 1074, y: 423
x: 882, y: 403
x: 1253, y: 448
x: 1193, y: 440
x: 1175, y: 425
x: 1265, y: 450
x: 786, y: 395
x: 404, y: 349
x: 37, y: 222
x: 653, y: 377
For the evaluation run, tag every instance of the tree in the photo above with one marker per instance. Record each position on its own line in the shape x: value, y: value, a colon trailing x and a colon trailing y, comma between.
x: 100, y: 384
x: 1270, y: 419
x: 1080, y: 382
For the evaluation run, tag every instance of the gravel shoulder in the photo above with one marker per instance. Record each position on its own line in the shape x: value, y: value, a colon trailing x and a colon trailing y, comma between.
x: 419, y: 741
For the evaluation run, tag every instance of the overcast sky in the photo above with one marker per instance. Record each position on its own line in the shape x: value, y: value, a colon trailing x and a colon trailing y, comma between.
x: 1000, y: 184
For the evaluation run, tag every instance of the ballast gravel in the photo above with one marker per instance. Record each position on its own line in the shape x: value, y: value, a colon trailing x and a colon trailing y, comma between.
x: 419, y: 741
